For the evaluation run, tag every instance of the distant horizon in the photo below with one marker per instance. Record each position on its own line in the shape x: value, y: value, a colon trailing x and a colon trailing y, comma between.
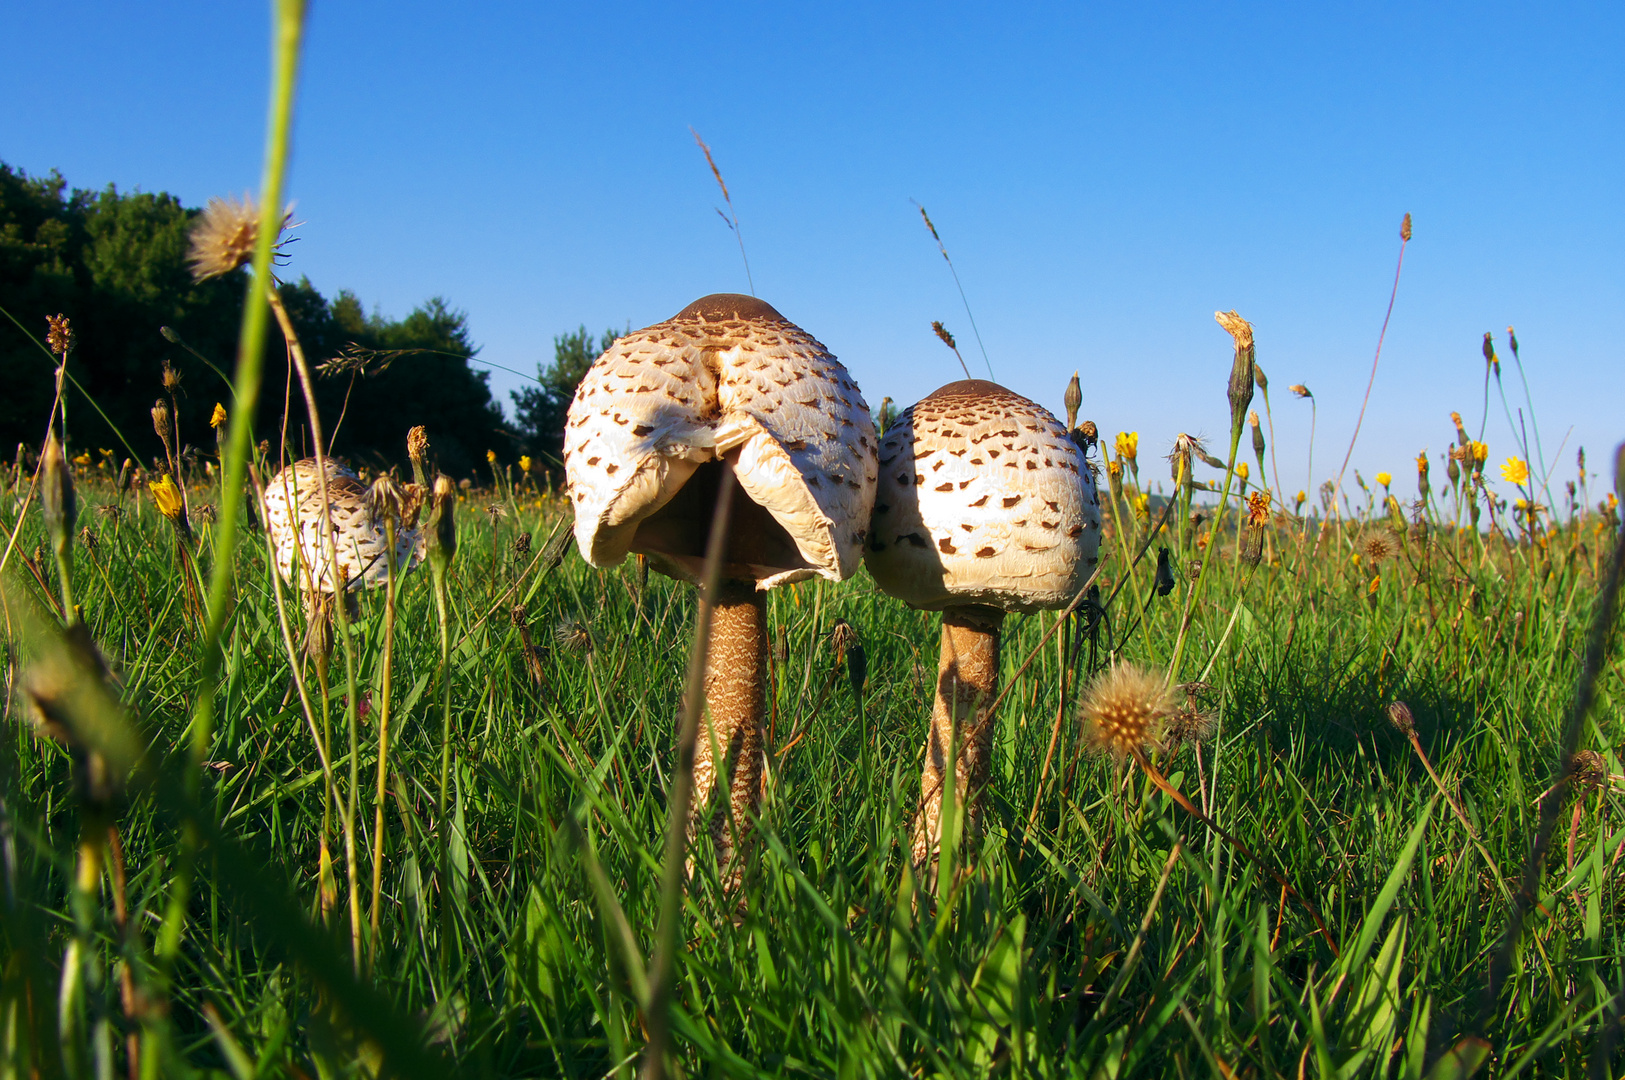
x: 1104, y: 181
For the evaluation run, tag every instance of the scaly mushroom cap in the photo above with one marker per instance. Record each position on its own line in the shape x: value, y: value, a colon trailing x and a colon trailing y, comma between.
x: 982, y: 499
x: 727, y: 378
x: 295, y: 493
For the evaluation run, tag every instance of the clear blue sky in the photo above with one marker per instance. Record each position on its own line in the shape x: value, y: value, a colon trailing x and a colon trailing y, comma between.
x: 1104, y: 178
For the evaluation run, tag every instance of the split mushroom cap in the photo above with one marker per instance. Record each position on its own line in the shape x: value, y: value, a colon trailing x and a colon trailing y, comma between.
x: 982, y: 499
x: 293, y: 517
x: 726, y: 379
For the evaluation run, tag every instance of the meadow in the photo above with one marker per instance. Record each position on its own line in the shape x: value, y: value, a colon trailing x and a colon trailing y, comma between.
x: 432, y: 838
x: 1096, y: 929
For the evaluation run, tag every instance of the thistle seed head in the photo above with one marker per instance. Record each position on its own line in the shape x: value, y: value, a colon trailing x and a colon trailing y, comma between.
x: 1125, y: 709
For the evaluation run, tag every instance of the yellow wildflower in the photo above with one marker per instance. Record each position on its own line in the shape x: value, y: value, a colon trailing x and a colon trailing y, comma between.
x: 1385, y: 478
x: 1241, y: 469
x: 83, y: 460
x: 1128, y: 444
x: 491, y: 456
x: 1514, y: 471
x: 217, y: 419
x: 1480, y: 452
x: 1142, y: 505
x: 166, y: 497
x: 524, y: 464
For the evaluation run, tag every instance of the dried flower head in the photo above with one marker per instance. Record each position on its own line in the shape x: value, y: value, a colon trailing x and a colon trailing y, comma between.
x: 205, y: 513
x: 942, y: 333
x: 1589, y: 769
x: 1300, y: 390
x: 59, y: 337
x: 1377, y: 548
x: 1405, y: 230
x: 842, y: 636
x: 386, y: 500
x: 161, y: 422
x: 1124, y: 710
x: 224, y: 236
x: 88, y: 538
x: 496, y: 511
x: 1189, y: 726
x: 572, y: 635
x: 1399, y: 715
x: 171, y: 377
x: 521, y: 546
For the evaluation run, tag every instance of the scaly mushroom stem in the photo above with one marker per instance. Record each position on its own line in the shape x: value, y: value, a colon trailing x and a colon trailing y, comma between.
x: 967, y: 683
x: 735, y: 694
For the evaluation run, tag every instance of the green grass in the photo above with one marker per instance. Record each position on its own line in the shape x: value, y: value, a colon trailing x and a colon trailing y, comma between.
x: 1050, y: 955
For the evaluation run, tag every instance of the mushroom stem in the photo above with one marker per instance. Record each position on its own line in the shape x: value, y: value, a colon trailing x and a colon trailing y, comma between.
x: 735, y: 693
x: 967, y: 683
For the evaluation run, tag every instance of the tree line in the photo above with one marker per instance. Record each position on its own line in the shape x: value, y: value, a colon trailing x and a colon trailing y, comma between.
x: 115, y: 263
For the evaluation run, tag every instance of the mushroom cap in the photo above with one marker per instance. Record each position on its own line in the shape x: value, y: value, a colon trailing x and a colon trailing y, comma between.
x: 726, y: 379
x: 982, y: 499
x: 293, y: 517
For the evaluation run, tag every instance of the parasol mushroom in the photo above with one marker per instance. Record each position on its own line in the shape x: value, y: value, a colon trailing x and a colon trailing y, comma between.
x: 984, y: 506
x: 727, y: 380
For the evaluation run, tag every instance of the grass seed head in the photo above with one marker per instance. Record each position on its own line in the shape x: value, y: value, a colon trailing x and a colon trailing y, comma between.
x: 1124, y: 710
x: 942, y: 333
x: 59, y: 337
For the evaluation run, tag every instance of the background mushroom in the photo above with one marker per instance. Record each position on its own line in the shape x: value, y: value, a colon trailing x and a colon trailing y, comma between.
x: 306, y: 553
x: 726, y: 379
x: 983, y: 506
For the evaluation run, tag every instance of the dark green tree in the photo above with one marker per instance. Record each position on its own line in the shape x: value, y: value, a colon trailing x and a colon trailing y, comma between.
x: 539, y: 411
x: 115, y: 264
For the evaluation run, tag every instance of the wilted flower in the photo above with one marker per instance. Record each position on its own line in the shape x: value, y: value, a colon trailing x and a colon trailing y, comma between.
x: 1258, y: 509
x: 1300, y: 390
x: 1124, y: 709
